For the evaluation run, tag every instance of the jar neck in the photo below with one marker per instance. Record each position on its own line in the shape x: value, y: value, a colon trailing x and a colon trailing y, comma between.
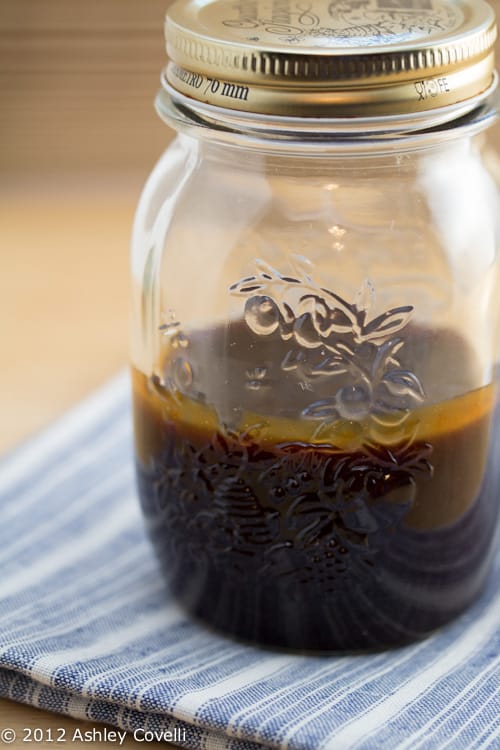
x: 323, y: 135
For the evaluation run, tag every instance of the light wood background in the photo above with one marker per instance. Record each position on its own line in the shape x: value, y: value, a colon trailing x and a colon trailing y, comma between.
x: 77, y: 80
x: 78, y: 136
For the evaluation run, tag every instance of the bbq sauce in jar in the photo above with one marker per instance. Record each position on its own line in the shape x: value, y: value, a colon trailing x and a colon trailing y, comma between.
x: 316, y: 533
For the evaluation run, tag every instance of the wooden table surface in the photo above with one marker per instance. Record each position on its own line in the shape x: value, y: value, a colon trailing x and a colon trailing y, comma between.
x: 63, y: 324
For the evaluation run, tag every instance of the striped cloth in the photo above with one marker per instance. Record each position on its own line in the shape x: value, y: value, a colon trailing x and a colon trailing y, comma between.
x: 87, y: 627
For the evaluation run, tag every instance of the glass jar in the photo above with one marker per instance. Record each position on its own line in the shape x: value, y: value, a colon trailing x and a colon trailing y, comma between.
x: 315, y: 319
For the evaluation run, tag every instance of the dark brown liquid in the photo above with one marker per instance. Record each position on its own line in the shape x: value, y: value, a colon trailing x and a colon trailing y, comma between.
x: 340, y: 538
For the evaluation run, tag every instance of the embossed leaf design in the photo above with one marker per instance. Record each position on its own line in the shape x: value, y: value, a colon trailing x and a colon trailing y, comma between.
x: 303, y: 464
x: 306, y: 332
x: 307, y: 516
x: 341, y: 304
x: 391, y: 322
x: 324, y: 409
x: 302, y: 267
x: 333, y: 365
x: 293, y: 359
x: 313, y: 532
x: 389, y: 419
x: 403, y: 383
x: 405, y: 458
x: 257, y: 283
x: 326, y: 320
x: 246, y: 286
x: 333, y: 337
x: 266, y: 270
x: 415, y: 459
x: 409, y: 436
x: 316, y: 307
x: 385, y: 355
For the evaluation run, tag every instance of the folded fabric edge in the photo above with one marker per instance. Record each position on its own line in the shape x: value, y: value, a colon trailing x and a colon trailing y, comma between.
x: 20, y: 688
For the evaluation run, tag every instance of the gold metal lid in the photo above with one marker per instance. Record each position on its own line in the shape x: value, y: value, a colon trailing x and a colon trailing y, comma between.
x: 331, y: 58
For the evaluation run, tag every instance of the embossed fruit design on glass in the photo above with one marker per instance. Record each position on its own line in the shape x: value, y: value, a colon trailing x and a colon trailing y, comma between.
x: 316, y: 319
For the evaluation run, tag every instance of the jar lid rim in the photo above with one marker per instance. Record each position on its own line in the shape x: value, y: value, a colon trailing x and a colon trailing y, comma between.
x: 344, y: 58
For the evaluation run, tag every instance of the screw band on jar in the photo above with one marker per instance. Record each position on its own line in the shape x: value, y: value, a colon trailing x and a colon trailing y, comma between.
x: 343, y: 59
x: 412, y: 96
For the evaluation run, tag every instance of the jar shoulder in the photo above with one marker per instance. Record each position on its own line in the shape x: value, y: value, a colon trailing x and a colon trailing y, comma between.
x: 161, y: 187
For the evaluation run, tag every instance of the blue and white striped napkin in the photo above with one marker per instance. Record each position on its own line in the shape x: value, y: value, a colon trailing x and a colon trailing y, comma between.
x: 88, y: 629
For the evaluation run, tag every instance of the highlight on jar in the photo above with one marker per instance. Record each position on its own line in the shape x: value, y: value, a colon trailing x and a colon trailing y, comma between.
x: 316, y: 311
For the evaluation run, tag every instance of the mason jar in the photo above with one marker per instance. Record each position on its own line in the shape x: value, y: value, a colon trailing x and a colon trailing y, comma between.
x: 316, y: 318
